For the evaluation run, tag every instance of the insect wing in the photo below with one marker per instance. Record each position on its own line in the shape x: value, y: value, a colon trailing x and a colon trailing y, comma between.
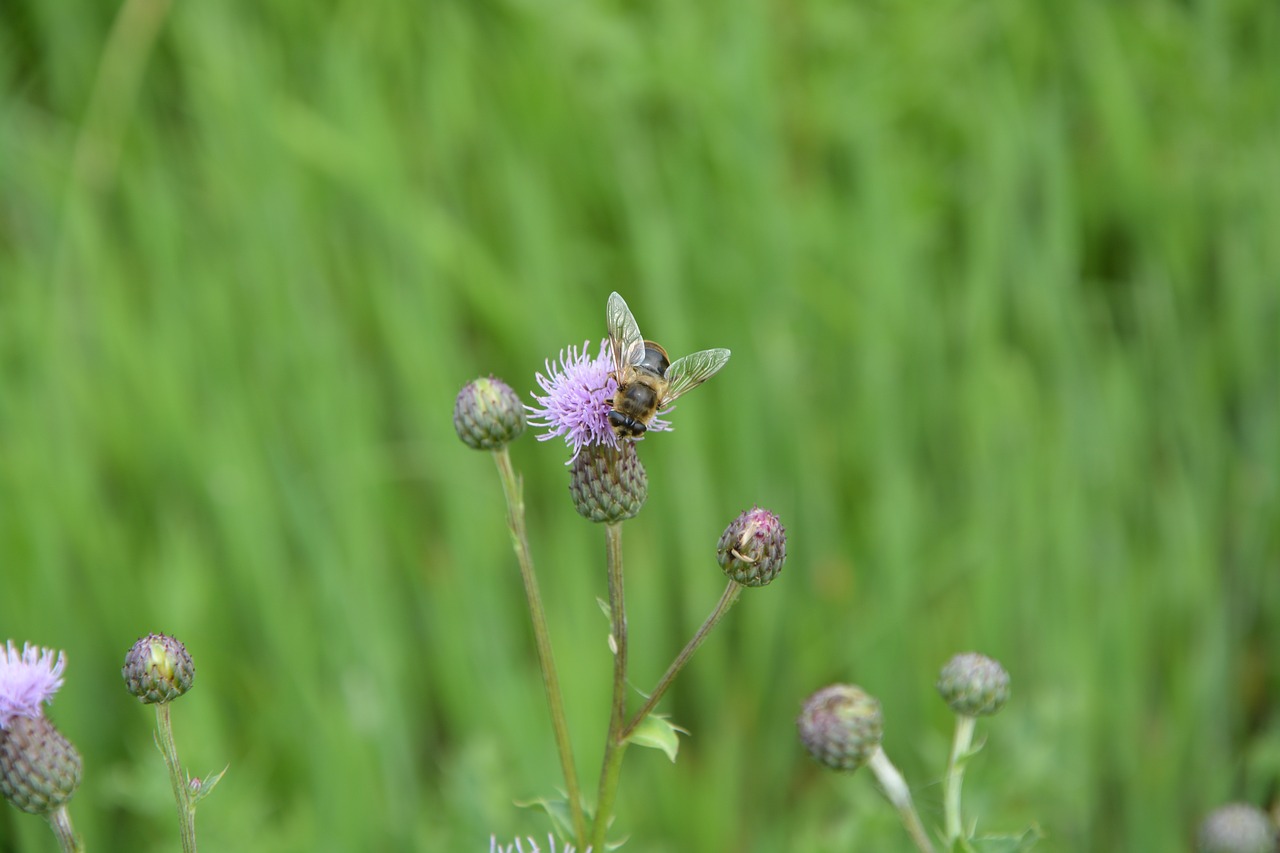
x: 625, y: 339
x: 689, y: 372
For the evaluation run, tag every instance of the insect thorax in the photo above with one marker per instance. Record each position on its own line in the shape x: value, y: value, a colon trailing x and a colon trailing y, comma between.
x: 638, y: 398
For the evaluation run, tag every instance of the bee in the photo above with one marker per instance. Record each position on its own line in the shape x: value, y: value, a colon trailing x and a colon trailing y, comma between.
x: 648, y: 381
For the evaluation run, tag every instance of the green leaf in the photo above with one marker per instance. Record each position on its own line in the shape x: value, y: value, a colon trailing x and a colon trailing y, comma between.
x: 1007, y: 843
x: 207, y: 785
x: 557, y: 810
x: 656, y: 732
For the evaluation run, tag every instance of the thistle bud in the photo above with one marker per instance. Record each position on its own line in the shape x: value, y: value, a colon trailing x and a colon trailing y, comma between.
x: 841, y: 726
x: 39, y: 768
x: 753, y: 548
x: 608, y: 484
x: 974, y: 685
x: 1237, y: 828
x: 158, y: 669
x: 488, y: 414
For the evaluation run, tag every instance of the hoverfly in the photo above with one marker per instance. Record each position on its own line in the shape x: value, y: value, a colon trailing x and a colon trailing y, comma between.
x: 648, y: 381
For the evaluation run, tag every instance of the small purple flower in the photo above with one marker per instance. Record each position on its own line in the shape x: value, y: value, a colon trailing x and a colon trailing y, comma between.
x: 518, y: 847
x: 574, y: 404
x: 27, y: 679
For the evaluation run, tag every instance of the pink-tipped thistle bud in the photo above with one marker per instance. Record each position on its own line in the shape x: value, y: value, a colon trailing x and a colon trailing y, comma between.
x: 608, y: 484
x: 1237, y: 828
x: 974, y: 685
x: 753, y: 548
x: 841, y: 726
x: 488, y: 414
x: 158, y: 669
x: 39, y: 768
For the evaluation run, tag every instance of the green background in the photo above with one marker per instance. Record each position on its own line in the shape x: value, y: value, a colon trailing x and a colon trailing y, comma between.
x: 1000, y: 281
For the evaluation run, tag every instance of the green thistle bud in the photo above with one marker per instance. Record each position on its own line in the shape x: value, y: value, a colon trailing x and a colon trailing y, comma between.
x: 39, y: 768
x: 841, y: 726
x: 158, y: 669
x: 488, y: 414
x: 753, y: 547
x: 608, y: 484
x: 1237, y: 828
x: 974, y: 685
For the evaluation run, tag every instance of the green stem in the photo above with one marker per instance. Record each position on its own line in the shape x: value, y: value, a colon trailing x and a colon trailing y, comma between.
x: 897, y: 792
x: 615, y: 745
x: 511, y: 487
x: 960, y: 746
x: 181, y: 793
x: 727, y: 600
x: 60, y: 820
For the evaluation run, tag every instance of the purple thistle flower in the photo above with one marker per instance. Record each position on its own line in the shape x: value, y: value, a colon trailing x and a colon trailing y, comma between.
x: 27, y: 679
x: 518, y: 847
x: 574, y: 404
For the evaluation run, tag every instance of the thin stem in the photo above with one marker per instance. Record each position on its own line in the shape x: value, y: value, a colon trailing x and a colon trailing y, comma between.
x: 960, y: 746
x: 60, y: 820
x: 181, y: 793
x: 615, y: 745
x: 511, y: 487
x: 731, y: 593
x: 897, y: 792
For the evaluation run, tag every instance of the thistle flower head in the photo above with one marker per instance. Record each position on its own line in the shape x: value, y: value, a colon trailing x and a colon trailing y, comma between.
x: 39, y: 768
x: 753, y: 547
x: 488, y: 414
x: 573, y: 403
x: 608, y: 484
x: 974, y: 685
x: 841, y: 726
x: 27, y: 679
x: 1236, y: 828
x: 158, y: 669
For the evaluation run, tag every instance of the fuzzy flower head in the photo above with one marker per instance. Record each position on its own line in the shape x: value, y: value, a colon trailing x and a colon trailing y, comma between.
x: 573, y: 403
x: 28, y: 678
x: 1237, y: 828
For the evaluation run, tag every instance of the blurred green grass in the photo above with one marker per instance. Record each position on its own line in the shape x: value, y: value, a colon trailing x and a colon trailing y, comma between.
x: 1000, y: 283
